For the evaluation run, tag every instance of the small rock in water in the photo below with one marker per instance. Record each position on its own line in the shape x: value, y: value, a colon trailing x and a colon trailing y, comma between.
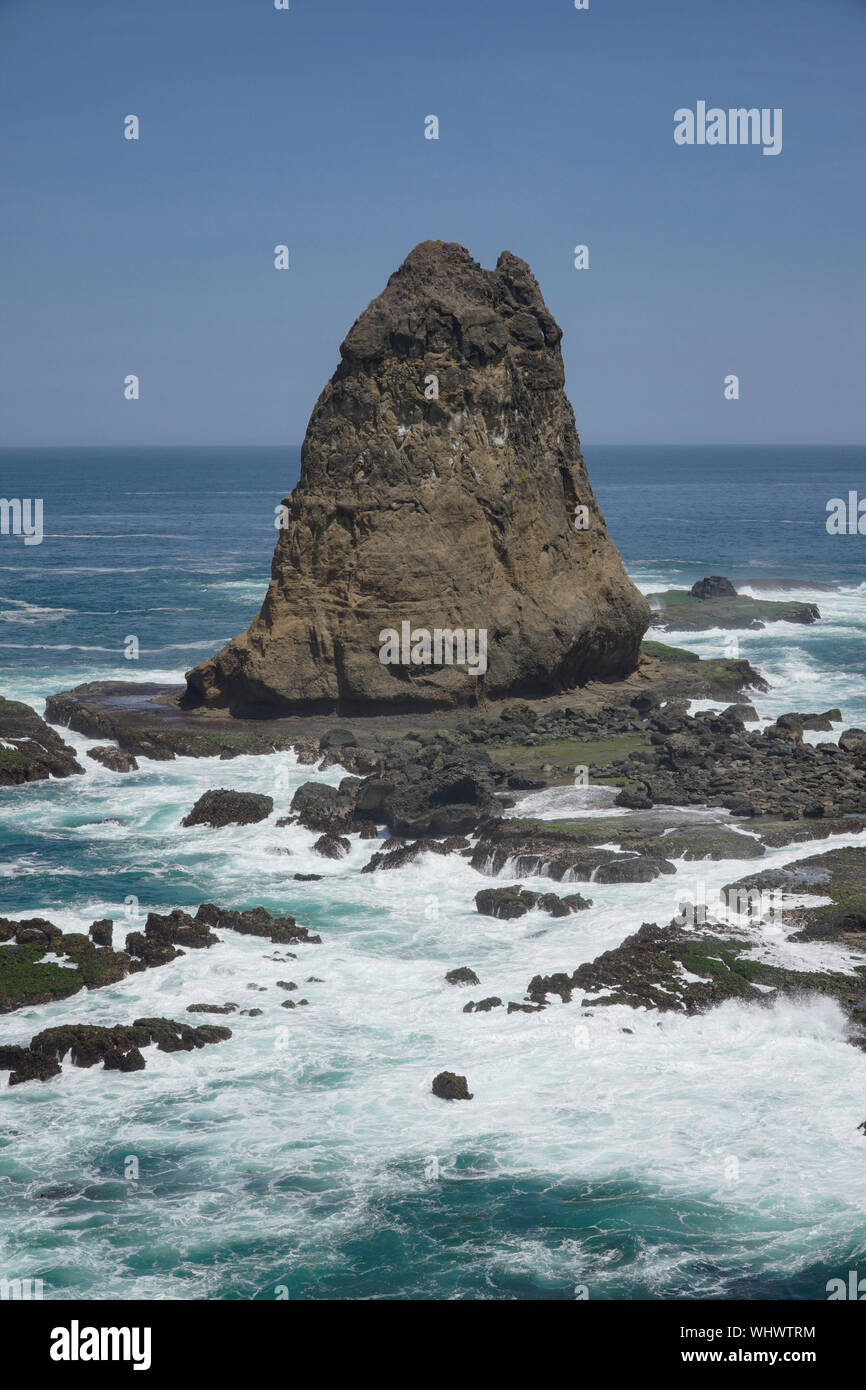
x: 449, y: 1086
x: 462, y: 976
x: 115, y: 759
x: 223, y: 807
x: 483, y: 1006
x: 332, y: 846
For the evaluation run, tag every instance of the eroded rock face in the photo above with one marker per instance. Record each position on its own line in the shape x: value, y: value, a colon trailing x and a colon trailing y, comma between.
x: 441, y: 483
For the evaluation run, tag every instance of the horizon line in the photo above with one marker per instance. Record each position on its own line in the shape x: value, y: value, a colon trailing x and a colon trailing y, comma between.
x: 595, y: 444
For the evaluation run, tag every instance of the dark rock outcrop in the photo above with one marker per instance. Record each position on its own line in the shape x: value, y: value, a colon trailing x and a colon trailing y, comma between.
x: 633, y: 799
x: 29, y: 750
x: 329, y: 810
x: 256, y: 921
x: 510, y: 903
x: 101, y: 932
x: 223, y: 807
x: 442, y: 485
x: 463, y: 975
x: 118, y: 1047
x: 28, y: 978
x: 405, y: 854
x: 710, y: 759
x: 448, y: 1086
x: 332, y: 846
x: 116, y: 759
x: 628, y: 868
x: 163, y: 934
x: 24, y: 1064
x: 483, y: 1006
x: 716, y: 586
x: 671, y: 969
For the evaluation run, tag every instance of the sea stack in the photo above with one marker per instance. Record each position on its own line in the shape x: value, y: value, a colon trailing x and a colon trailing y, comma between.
x: 443, y: 512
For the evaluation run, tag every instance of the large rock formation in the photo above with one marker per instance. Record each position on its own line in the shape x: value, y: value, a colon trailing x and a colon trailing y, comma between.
x: 442, y: 485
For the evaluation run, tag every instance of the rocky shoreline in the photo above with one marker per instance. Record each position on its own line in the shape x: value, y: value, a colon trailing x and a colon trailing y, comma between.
x: 153, y: 721
x: 709, y: 786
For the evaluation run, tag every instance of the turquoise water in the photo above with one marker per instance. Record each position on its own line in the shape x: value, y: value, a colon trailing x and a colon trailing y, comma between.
x: 714, y: 1157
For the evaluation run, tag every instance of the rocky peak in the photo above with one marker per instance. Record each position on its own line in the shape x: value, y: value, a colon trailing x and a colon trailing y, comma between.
x: 442, y: 489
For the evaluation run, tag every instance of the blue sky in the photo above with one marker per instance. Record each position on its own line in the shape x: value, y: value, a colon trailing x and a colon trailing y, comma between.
x: 261, y: 127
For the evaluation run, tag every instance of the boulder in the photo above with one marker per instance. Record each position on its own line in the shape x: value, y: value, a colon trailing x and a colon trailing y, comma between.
x: 116, y: 759
x: 224, y: 807
x: 448, y: 1086
x: 323, y: 808
x: 716, y: 586
x: 332, y: 846
x: 633, y: 799
x: 463, y: 975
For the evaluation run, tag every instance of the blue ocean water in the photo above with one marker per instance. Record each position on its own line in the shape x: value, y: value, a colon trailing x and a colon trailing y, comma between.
x: 712, y: 1157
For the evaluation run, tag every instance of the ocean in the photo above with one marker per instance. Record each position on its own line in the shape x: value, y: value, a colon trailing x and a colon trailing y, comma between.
x: 714, y: 1157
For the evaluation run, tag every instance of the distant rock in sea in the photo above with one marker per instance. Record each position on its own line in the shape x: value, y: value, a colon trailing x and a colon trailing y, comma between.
x: 714, y: 602
x: 442, y: 488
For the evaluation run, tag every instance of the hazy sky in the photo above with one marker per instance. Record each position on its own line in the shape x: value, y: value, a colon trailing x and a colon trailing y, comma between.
x: 306, y: 127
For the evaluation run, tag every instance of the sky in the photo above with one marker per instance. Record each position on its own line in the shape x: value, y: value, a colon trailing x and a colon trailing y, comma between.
x: 306, y: 127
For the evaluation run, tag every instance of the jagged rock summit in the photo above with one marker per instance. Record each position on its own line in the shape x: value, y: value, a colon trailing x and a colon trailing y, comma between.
x: 442, y: 486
